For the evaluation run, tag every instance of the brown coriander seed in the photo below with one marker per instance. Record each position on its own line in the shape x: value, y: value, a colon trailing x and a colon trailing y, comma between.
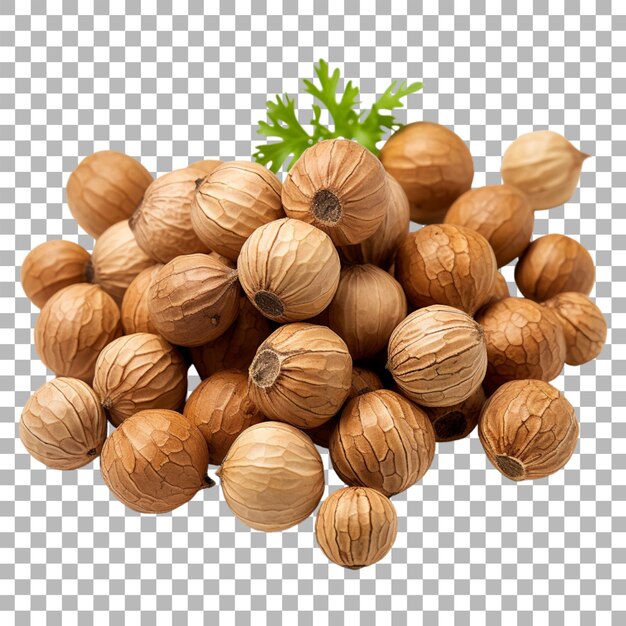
x: 117, y: 259
x: 221, y: 408
x: 193, y: 299
x: 289, y: 270
x: 363, y: 381
x: 528, y: 429
x: 583, y: 324
x: 301, y: 375
x: 340, y: 187
x: 446, y: 264
x: 104, y: 189
x: 502, y: 214
x: 156, y: 461
x: 554, y: 264
x: 524, y: 340
x: 231, y: 202
x: 382, y: 441
x: 74, y: 325
x: 52, y: 265
x: 356, y: 527
x: 137, y: 372
x: 135, y: 303
x: 437, y: 356
x: 62, y: 425
x: 272, y: 477
x: 433, y: 165
x: 162, y: 222
x: 368, y: 304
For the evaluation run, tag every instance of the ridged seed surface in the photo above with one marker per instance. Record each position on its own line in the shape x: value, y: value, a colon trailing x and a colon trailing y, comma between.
x: 104, y: 189
x: 381, y: 247
x: 524, y: 340
x: 194, y: 299
x: 583, y: 324
x: 221, y: 408
x: 73, y: 327
x: 135, y: 304
x: 446, y: 264
x: 554, y: 264
x: 62, y: 424
x: 353, y: 175
x: 137, y: 372
x: 162, y: 223
x: 272, y: 477
x: 314, y: 376
x: 233, y: 201
x: 51, y: 266
x: 437, y: 356
x: 155, y: 461
x: 382, y: 441
x: 368, y: 305
x: 296, y: 262
x: 356, y: 526
x: 117, y: 259
x: 532, y: 422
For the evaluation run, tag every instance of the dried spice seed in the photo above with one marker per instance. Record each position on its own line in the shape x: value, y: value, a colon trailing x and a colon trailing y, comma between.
x: 104, y: 189
x: 356, y: 527
x: 156, y: 461
x: 62, y: 424
x: 554, y: 264
x: 528, y: 429
x: 382, y: 441
x: 138, y: 372
x: 272, y: 477
x: 437, y: 356
x: 301, y: 375
x: 221, y: 408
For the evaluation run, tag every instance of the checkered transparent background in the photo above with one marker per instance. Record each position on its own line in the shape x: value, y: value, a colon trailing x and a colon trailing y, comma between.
x: 186, y: 80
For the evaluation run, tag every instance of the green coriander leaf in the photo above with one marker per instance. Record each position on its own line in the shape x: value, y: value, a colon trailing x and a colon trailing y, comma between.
x: 368, y: 129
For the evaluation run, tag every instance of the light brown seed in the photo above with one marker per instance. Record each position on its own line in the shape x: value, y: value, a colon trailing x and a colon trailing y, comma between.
x: 233, y: 201
x: 104, y: 189
x: 73, y: 327
x: 272, y: 477
x: 382, y: 441
x: 221, y: 409
x: 446, y: 264
x: 340, y: 187
x: 381, y: 247
x: 528, y: 429
x: 193, y: 299
x: 437, y: 356
x: 117, y: 259
x: 554, y: 264
x: 289, y: 270
x: 135, y: 304
x: 545, y: 166
x: 502, y: 214
x: 368, y: 305
x: 301, y: 375
x: 162, y: 223
x: 432, y: 164
x: 52, y: 265
x: 138, y: 372
x: 156, y: 461
x: 62, y: 424
x: 583, y: 325
x: 524, y: 340
x: 356, y: 527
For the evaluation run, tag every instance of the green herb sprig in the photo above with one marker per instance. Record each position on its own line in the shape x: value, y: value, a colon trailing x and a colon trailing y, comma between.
x: 368, y: 128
